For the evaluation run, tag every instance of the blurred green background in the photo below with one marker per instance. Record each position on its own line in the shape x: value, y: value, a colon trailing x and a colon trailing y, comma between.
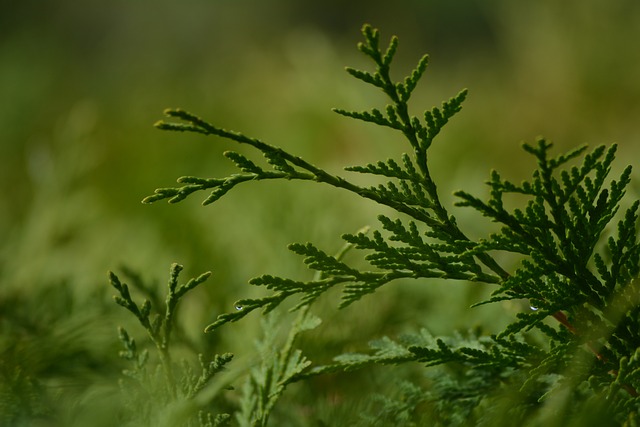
x: 81, y: 84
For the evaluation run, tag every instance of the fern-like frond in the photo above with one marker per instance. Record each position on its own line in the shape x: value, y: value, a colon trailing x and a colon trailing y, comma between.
x: 159, y: 327
x: 157, y: 391
x: 570, y: 276
x: 267, y: 382
x: 410, y: 190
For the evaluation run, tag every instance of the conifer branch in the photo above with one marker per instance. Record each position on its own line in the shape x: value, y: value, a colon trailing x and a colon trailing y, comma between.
x: 558, y: 235
x: 159, y: 329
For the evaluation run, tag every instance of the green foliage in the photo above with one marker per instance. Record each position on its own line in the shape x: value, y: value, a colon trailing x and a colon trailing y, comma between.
x: 267, y: 382
x: 575, y: 350
x: 151, y: 391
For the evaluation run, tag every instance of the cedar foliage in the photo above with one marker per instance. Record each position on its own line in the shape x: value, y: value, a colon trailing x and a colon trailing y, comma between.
x: 570, y: 358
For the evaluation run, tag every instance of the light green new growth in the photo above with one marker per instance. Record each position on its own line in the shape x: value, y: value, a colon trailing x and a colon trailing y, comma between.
x: 566, y: 271
x: 268, y: 382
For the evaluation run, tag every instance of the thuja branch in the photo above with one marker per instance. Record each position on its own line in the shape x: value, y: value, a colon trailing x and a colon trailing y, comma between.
x: 428, y: 210
x: 412, y: 191
x: 282, y: 161
x: 160, y: 327
x: 564, y: 272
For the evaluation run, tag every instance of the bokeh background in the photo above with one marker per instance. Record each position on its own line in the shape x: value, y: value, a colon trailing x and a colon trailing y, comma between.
x: 81, y: 84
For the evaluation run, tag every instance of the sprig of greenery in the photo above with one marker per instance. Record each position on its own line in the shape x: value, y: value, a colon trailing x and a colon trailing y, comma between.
x: 159, y: 329
x: 564, y: 271
x: 177, y: 386
x: 415, y: 195
x: 268, y: 381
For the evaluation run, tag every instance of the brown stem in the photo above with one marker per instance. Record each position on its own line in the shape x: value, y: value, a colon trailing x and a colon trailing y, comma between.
x: 562, y: 318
